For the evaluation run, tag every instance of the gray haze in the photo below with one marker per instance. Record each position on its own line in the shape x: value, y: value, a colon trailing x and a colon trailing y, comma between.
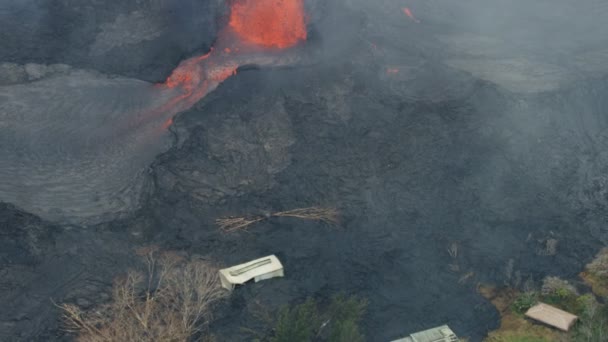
x: 481, y: 124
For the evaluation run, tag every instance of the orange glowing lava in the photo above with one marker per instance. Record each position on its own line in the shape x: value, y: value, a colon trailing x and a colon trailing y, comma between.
x: 168, y: 123
x: 186, y: 75
x: 409, y: 13
x: 269, y: 23
x: 179, y: 77
x: 265, y: 23
x: 220, y: 74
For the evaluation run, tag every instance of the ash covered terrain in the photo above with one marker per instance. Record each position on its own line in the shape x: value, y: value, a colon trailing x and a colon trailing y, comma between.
x: 474, y: 126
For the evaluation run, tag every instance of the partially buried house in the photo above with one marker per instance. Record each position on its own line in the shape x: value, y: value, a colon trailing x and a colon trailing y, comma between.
x: 259, y: 269
x: 439, y: 334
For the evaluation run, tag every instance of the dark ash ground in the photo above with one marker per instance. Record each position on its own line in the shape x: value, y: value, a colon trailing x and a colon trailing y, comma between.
x: 485, y: 138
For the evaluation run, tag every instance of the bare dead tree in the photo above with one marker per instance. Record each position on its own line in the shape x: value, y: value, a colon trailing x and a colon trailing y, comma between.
x: 453, y: 250
x: 327, y: 215
x: 232, y: 224
x: 171, y: 301
x: 463, y: 279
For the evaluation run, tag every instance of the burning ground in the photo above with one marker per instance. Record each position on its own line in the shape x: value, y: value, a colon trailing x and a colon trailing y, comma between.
x: 458, y: 151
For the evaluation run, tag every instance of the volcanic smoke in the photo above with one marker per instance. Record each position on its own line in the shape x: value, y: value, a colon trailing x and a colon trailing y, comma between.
x: 76, y: 146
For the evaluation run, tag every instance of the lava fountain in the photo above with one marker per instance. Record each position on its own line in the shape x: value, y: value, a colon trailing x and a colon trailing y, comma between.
x: 409, y: 14
x: 75, y: 147
x: 269, y: 23
x: 257, y: 32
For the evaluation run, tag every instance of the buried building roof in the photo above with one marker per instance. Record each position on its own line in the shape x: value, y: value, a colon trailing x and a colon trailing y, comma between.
x: 552, y: 316
x: 439, y: 334
x: 259, y: 269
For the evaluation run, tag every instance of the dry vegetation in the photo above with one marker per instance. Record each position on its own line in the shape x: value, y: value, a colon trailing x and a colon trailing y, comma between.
x: 232, y: 224
x: 554, y: 286
x: 326, y: 215
x: 514, y: 327
x: 599, y: 265
x: 596, y: 273
x: 170, y: 301
x: 592, y: 324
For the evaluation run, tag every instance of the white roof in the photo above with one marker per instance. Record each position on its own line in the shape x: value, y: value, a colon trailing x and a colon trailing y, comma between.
x: 552, y: 316
x: 259, y: 269
x: 439, y: 334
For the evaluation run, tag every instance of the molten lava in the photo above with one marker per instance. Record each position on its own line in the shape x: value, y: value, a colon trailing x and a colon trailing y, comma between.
x: 168, y: 123
x: 179, y: 77
x: 276, y: 24
x: 187, y: 74
x: 220, y: 74
x: 409, y: 13
x: 269, y: 23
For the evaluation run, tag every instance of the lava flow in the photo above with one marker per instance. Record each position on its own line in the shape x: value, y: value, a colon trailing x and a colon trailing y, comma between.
x: 255, y: 26
x: 269, y: 23
x: 409, y: 13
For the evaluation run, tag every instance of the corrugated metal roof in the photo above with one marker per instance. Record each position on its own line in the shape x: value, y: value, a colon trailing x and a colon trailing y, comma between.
x: 259, y: 269
x: 405, y: 339
x: 438, y: 334
x: 552, y: 316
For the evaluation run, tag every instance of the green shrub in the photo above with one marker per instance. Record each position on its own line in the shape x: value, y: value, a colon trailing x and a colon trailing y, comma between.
x: 584, y: 302
x: 593, y: 321
x: 344, y: 316
x: 298, y: 323
x: 560, y: 293
x: 342, y: 308
x: 346, y: 331
x: 599, y: 266
x: 305, y: 322
x: 524, y: 301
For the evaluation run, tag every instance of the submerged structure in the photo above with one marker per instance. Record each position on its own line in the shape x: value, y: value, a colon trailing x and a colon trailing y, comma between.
x: 259, y: 269
x: 552, y: 316
x: 439, y: 334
